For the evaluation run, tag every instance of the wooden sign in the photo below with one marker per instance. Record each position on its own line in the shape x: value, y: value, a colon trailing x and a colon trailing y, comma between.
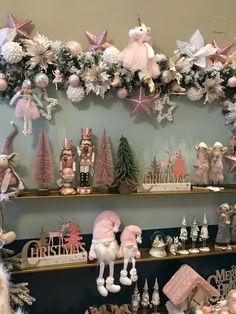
x: 60, y: 247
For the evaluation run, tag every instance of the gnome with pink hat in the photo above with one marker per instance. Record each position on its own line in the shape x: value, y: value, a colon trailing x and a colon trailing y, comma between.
x: 10, y: 182
x: 129, y: 238
x: 104, y: 248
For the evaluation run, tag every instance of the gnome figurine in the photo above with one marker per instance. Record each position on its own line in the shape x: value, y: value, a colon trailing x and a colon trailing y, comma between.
x: 129, y: 238
x: 10, y: 182
x: 104, y: 248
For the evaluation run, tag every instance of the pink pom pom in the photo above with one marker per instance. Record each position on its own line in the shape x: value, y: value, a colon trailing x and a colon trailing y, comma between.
x: 92, y: 256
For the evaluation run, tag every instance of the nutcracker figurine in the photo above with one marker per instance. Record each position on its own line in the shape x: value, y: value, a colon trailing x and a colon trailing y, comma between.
x: 67, y: 168
x: 86, y: 152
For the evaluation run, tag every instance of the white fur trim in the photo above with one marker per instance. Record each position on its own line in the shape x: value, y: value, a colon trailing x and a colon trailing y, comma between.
x: 106, y: 253
x: 4, y: 293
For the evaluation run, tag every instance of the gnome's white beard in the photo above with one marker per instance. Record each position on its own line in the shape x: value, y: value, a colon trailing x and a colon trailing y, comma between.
x: 106, y: 253
x: 129, y: 251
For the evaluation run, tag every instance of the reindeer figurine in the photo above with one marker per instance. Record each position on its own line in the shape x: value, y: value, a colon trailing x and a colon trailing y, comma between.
x: 10, y: 183
x: 58, y: 234
x: 166, y: 167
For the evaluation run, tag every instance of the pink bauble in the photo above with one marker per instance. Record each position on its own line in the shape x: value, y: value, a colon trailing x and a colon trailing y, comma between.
x: 122, y: 93
x: 3, y: 84
x: 74, y: 80
x: 74, y: 47
x: 232, y: 81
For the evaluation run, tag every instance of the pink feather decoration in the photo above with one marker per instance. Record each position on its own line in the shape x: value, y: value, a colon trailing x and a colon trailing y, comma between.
x: 43, y: 170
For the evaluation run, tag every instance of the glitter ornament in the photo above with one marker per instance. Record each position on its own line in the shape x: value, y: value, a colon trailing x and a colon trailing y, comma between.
x: 41, y: 80
x: 122, y: 93
x: 74, y: 47
x: 75, y: 94
x: 74, y: 80
x: 232, y: 81
x: 12, y: 52
x: 166, y: 76
x: 111, y: 55
x: 3, y: 82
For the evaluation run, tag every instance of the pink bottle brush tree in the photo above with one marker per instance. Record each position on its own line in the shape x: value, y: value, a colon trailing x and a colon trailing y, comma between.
x: 43, y: 170
x: 179, y: 170
x: 73, y: 238
x: 104, y: 169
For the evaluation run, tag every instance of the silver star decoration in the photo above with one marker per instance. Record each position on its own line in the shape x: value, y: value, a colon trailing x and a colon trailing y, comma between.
x: 165, y: 108
x: 51, y: 103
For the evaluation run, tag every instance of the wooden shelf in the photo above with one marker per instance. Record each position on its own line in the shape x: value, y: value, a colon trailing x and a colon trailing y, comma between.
x: 145, y: 257
x: 32, y: 194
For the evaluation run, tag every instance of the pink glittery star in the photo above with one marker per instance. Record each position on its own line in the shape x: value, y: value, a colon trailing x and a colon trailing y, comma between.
x: 142, y: 102
x: 19, y: 26
x: 97, y: 42
x: 221, y: 54
x: 231, y: 160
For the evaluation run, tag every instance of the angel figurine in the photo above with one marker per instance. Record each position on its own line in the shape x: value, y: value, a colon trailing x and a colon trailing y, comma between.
x: 27, y: 104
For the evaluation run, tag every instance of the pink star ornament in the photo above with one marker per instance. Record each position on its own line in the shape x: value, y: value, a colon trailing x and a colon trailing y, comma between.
x: 221, y: 54
x: 97, y: 42
x: 142, y: 102
x: 20, y: 27
x: 231, y: 160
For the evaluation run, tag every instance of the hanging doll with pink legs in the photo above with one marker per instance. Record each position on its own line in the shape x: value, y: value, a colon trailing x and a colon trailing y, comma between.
x: 27, y: 104
x: 129, y: 239
x: 104, y: 248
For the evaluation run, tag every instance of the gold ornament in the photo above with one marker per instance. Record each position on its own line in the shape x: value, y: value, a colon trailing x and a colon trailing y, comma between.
x: 166, y: 76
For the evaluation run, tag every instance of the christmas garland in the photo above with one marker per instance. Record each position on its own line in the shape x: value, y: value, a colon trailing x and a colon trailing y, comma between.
x: 199, y: 71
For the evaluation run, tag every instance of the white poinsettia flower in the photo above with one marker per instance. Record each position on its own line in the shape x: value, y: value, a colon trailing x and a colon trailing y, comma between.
x: 213, y: 89
x: 40, y: 52
x: 196, y: 49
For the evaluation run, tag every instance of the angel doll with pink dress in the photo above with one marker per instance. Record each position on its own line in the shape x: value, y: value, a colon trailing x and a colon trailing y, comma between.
x: 27, y: 104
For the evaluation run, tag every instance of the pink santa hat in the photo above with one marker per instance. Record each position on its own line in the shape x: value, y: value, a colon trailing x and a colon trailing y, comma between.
x: 8, y: 140
x: 129, y: 235
x: 105, y: 226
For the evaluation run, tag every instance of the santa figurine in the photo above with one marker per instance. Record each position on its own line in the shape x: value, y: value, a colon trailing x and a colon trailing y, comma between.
x: 104, y: 248
x: 129, y: 238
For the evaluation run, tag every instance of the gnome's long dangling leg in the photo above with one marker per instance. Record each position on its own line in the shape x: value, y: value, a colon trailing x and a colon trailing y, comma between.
x: 29, y: 129
x: 111, y: 287
x: 100, y: 280
x: 123, y: 274
x: 133, y: 270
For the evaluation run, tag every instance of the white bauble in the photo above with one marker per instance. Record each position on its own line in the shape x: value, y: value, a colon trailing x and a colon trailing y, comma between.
x: 75, y: 94
x: 74, y: 47
x: 166, y: 76
x: 12, y: 52
x: 111, y: 55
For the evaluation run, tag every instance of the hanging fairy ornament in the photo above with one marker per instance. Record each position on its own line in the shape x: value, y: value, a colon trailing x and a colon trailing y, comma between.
x: 41, y: 82
x: 75, y: 93
x: 57, y: 77
x: 27, y: 104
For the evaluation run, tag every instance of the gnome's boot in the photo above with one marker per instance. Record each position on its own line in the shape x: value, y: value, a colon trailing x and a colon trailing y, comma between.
x: 124, y: 278
x: 110, y: 285
x: 101, y: 289
x: 133, y: 274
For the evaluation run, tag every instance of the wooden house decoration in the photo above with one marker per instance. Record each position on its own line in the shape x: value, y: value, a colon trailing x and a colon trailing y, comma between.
x: 186, y: 290
x: 167, y: 175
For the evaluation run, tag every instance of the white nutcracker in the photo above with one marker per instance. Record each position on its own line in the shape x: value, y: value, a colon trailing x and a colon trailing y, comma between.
x: 129, y: 238
x: 104, y: 248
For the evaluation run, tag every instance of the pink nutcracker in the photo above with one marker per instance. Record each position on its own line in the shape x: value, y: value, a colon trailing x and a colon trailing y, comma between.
x: 129, y: 239
x: 86, y: 152
x: 27, y: 104
x: 67, y: 168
